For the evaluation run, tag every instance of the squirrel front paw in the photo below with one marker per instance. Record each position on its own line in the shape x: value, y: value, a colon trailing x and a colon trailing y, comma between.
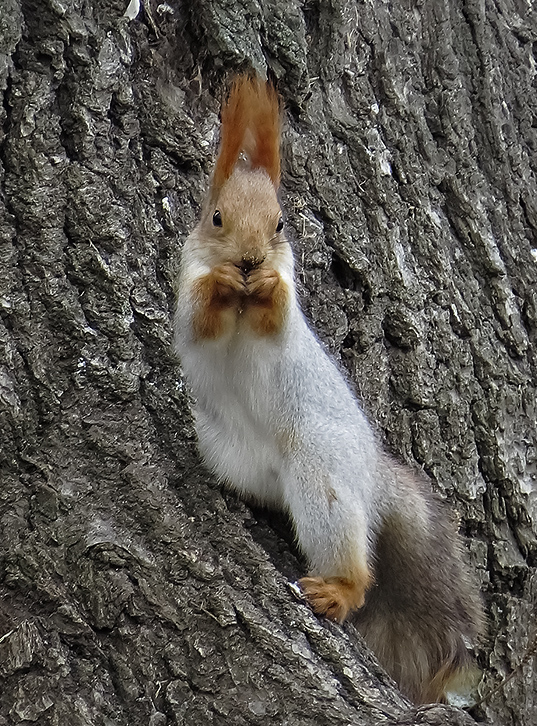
x: 261, y: 283
x: 333, y: 597
x: 266, y: 301
x: 227, y: 282
x: 218, y: 297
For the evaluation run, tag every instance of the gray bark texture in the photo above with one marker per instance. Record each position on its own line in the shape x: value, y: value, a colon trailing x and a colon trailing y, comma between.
x: 133, y: 590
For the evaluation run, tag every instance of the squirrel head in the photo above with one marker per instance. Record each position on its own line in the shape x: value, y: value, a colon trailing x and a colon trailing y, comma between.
x: 242, y: 218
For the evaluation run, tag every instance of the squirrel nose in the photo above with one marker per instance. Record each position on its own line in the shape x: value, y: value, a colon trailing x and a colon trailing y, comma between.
x: 251, y: 261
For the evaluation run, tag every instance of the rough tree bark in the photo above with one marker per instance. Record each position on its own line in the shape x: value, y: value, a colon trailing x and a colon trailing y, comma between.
x: 133, y: 591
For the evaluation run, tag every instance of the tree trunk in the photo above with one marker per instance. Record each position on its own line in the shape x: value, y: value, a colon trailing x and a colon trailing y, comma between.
x: 133, y: 591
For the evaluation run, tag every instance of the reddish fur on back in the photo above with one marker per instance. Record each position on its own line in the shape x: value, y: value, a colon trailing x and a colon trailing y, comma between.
x: 250, y: 123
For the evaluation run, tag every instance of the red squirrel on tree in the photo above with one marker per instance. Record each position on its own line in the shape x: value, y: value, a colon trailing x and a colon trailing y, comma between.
x: 278, y: 423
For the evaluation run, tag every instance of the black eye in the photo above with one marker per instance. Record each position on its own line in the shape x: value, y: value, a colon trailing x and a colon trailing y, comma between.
x: 279, y: 226
x: 217, y: 218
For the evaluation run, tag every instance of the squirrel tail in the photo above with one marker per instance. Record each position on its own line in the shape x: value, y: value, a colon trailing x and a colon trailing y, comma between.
x: 251, y: 125
x: 422, y: 607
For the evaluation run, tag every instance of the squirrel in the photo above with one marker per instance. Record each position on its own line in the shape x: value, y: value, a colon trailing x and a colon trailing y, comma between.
x: 277, y: 421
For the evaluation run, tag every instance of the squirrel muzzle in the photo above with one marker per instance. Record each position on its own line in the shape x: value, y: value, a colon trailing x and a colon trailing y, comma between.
x: 251, y: 261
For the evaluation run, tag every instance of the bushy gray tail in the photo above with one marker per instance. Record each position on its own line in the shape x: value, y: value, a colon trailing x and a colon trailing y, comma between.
x: 423, y: 604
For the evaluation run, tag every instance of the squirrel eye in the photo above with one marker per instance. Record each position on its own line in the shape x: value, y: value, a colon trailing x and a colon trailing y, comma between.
x: 279, y: 226
x: 217, y: 218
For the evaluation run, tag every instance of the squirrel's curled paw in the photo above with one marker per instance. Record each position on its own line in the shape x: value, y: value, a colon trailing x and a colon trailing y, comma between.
x: 262, y: 282
x: 228, y: 281
x: 332, y: 597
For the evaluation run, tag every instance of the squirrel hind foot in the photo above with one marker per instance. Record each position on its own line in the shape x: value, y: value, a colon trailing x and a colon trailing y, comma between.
x: 333, y: 597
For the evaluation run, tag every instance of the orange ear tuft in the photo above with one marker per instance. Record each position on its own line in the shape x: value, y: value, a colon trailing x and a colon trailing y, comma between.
x: 250, y: 123
x: 235, y: 117
x: 266, y: 130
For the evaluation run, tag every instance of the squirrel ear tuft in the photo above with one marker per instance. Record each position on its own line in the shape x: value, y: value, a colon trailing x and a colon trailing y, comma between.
x: 250, y: 123
x: 266, y: 131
